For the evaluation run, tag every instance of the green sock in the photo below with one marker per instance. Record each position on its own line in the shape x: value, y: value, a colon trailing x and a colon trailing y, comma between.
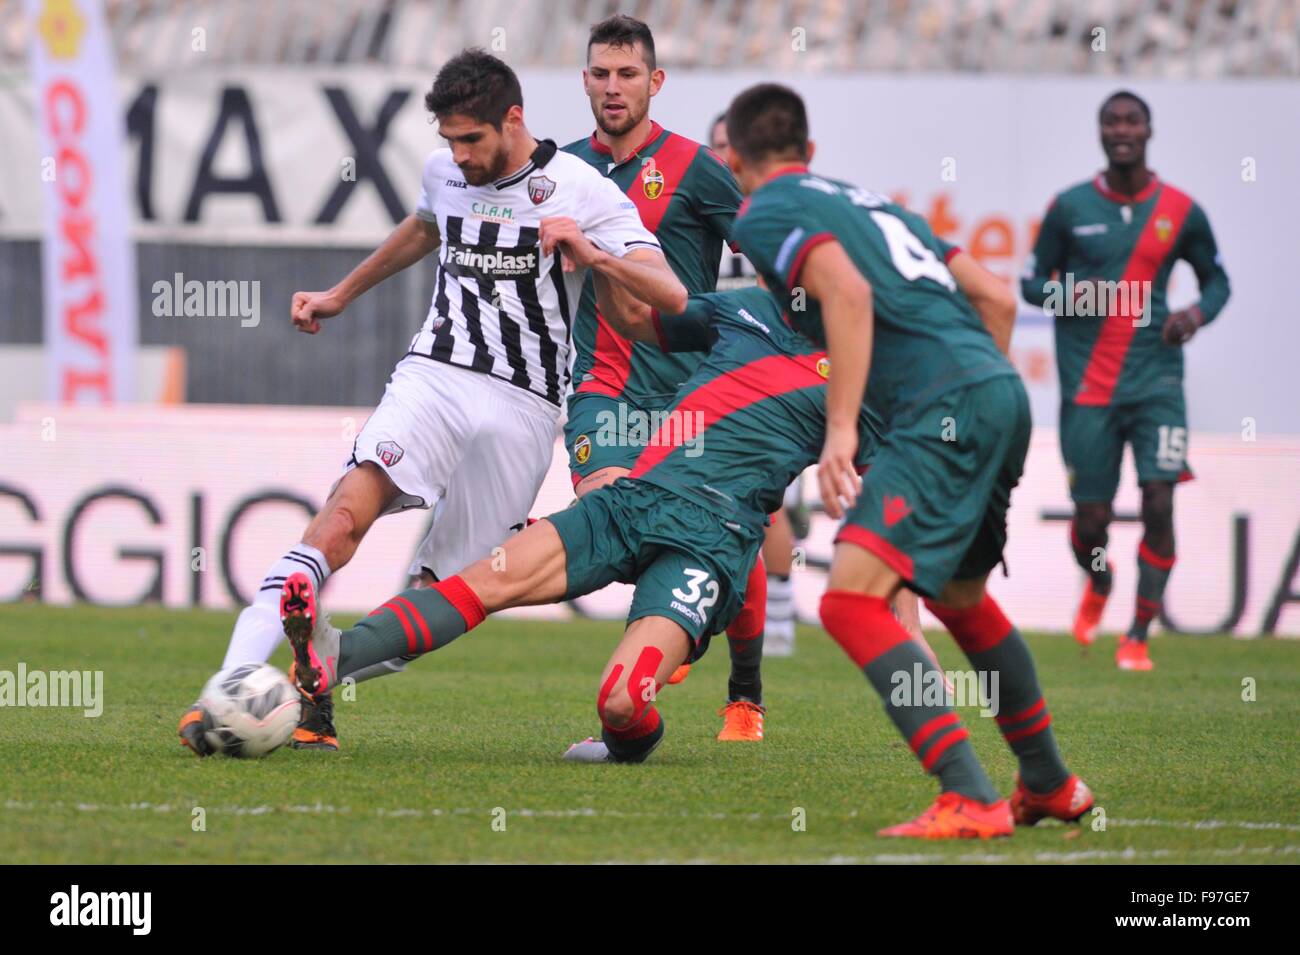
x: 911, y: 688
x: 906, y: 680
x: 1153, y: 575
x: 994, y: 646
x: 414, y: 622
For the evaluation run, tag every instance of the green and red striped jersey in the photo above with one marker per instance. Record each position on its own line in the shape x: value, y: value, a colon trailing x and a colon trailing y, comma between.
x: 1115, y: 352
x: 687, y: 197
x: 927, y: 339
x: 753, y: 415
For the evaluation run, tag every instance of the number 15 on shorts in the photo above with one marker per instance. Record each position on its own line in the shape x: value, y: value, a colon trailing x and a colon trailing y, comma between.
x: 1171, y: 450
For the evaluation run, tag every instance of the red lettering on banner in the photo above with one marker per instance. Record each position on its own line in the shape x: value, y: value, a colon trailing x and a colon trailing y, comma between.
x: 75, y: 381
x: 82, y: 321
x: 65, y: 91
x: 72, y: 189
x: 79, y: 260
x: 81, y: 317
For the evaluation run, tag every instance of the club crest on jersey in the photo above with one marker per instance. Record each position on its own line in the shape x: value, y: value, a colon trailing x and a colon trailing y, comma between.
x: 389, y: 452
x: 540, y: 189
x: 824, y: 367
x: 652, y: 182
x: 582, y: 449
x: 1164, y: 228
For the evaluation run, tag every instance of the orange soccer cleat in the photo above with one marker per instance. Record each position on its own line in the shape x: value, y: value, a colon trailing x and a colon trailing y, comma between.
x: 315, y: 728
x: 679, y: 674
x: 742, y: 721
x: 1132, y: 655
x: 954, y: 816
x: 193, y: 724
x: 1088, y: 617
x: 1067, y: 802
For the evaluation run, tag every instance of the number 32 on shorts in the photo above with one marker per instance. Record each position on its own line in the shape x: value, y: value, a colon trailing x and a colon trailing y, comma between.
x: 701, y: 590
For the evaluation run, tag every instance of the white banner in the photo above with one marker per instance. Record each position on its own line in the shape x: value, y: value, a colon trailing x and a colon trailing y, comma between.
x: 88, y: 261
x: 188, y: 506
x: 334, y: 157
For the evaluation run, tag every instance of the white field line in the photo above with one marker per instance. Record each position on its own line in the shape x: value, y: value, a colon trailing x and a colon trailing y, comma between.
x: 574, y: 813
x: 1083, y: 855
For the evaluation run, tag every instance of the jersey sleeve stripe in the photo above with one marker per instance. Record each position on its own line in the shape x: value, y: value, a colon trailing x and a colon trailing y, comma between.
x: 809, y: 244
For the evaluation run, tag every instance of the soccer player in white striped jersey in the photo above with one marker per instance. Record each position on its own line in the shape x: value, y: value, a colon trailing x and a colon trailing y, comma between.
x: 467, y: 423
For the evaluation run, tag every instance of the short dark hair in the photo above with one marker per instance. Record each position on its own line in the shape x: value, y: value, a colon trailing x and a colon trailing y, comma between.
x: 1126, y: 94
x: 720, y: 118
x: 622, y: 30
x: 768, y: 120
x: 476, y: 84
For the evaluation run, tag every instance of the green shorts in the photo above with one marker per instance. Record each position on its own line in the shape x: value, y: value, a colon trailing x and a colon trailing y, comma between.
x: 934, y: 503
x: 1093, y: 439
x: 688, y: 564
x: 603, y: 432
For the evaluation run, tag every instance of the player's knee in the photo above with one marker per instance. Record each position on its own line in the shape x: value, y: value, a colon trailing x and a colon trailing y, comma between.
x: 1091, y: 520
x: 618, y: 710
x: 1158, y: 510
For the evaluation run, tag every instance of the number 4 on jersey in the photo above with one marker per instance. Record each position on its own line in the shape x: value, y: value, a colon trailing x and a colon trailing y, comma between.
x: 912, y: 257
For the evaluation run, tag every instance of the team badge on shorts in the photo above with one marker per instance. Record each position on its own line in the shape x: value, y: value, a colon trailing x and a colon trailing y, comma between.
x: 389, y: 452
x: 824, y: 367
x: 652, y: 182
x: 540, y: 189
x: 582, y: 449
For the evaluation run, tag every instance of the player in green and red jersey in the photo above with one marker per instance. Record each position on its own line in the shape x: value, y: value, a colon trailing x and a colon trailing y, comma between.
x: 868, y: 279
x: 779, y: 541
x: 1101, y: 265
x: 687, y: 197
x: 685, y: 527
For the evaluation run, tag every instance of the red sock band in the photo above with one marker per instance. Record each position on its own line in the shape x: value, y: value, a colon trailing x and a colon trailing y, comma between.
x: 863, y: 626
x: 1154, y: 559
x: 420, y: 623
x: 752, y: 618
x: 407, y: 628
x: 648, y: 723
x: 976, y: 628
x: 466, y: 602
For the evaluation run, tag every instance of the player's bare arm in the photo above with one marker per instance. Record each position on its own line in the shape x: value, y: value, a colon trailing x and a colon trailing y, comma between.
x: 644, y: 273
x: 412, y: 240
x: 989, y: 296
x: 830, y: 277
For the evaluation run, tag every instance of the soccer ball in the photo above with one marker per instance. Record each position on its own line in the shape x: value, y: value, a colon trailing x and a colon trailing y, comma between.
x: 249, y: 710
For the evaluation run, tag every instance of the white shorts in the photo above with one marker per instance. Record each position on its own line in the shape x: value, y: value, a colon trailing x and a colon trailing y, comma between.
x: 472, y: 447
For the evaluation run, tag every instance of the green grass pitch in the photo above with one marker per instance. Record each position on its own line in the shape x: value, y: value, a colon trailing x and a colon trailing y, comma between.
x: 1184, y: 768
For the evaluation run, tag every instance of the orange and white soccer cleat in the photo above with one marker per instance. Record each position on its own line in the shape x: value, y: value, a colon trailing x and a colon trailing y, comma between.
x: 742, y: 721
x: 1067, y: 802
x: 1132, y: 655
x: 315, y: 729
x: 1088, y: 617
x: 954, y: 816
x: 681, y: 673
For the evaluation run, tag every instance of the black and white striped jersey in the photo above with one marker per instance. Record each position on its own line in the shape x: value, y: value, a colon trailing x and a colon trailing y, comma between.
x: 499, y: 305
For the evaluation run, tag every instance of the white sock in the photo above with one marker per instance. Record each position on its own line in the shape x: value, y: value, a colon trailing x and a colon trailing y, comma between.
x: 258, y: 631
x: 780, y: 608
